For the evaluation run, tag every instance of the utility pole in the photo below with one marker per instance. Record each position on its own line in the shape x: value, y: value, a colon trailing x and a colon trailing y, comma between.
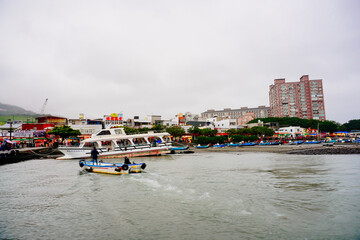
x: 10, y: 130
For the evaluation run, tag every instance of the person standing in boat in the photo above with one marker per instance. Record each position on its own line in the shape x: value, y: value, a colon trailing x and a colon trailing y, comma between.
x: 126, y: 160
x: 94, y: 155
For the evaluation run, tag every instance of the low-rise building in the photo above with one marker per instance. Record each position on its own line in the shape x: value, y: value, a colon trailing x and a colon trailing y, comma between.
x: 114, y: 119
x: 222, y: 124
x: 87, y: 127
x: 259, y: 112
x: 142, y: 122
x: 291, y: 131
x: 246, y: 118
x: 57, y: 121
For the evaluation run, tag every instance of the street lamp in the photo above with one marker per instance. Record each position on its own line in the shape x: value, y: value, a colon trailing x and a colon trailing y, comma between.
x: 10, y: 122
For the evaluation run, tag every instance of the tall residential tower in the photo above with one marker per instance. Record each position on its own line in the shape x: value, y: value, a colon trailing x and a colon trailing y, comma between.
x: 304, y: 99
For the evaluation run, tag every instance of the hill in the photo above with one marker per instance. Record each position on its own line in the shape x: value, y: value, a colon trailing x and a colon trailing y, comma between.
x: 8, y: 110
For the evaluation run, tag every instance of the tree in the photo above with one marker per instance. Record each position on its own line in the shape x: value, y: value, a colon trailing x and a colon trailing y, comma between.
x: 328, y: 126
x: 208, y: 132
x: 231, y: 131
x: 129, y: 130
x: 64, y: 132
x: 175, y: 131
x: 352, y: 125
x: 195, y: 131
x: 262, y: 131
x: 324, y: 126
x: 158, y: 127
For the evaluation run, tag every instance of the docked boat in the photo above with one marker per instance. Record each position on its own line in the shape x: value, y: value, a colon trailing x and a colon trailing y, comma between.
x: 249, y: 144
x: 235, y: 144
x: 313, y: 142
x: 219, y: 145
x: 296, y: 142
x: 115, y: 143
x: 112, y: 168
x: 180, y: 148
x: 200, y: 146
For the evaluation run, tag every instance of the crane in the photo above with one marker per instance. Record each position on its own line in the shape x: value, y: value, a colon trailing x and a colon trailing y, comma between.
x: 43, y: 107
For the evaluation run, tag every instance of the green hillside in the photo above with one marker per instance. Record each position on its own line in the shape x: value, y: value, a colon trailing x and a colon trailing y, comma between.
x: 9, y: 110
x: 12, y: 112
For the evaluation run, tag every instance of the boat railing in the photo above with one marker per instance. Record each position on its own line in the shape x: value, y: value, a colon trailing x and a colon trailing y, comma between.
x: 140, y: 146
x: 149, y: 132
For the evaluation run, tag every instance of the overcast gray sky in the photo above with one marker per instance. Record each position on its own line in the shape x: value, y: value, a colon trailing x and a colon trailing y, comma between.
x: 165, y: 57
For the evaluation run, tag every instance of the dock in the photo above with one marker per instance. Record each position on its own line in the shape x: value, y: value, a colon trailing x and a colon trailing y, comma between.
x: 23, y: 154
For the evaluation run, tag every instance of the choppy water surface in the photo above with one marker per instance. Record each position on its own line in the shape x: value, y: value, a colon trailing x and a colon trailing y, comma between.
x: 196, y: 196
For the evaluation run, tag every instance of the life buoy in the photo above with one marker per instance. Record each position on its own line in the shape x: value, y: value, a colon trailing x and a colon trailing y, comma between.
x: 125, y: 167
x: 143, y: 166
x: 81, y: 163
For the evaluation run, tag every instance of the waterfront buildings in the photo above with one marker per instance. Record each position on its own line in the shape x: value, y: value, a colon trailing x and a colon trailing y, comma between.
x: 222, y: 124
x: 57, y: 121
x: 114, y: 119
x: 144, y: 122
x: 259, y: 112
x: 303, y: 99
x: 291, y: 131
x: 86, y: 126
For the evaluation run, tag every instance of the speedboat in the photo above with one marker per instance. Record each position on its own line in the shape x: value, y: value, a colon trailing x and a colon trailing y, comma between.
x: 180, y: 148
x: 219, y: 145
x: 204, y: 146
x: 112, y: 168
x: 234, y: 144
x: 249, y: 144
x: 115, y: 143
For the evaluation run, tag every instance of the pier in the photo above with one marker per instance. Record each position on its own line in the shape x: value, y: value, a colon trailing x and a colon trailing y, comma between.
x: 23, y: 154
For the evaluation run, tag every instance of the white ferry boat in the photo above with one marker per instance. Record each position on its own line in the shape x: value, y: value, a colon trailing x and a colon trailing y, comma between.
x: 115, y: 143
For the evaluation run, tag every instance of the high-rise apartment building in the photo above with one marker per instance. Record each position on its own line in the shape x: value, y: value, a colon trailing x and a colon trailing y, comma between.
x: 304, y: 99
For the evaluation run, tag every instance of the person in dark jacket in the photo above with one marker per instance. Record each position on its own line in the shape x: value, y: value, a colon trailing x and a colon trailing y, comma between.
x: 126, y: 160
x: 94, y: 155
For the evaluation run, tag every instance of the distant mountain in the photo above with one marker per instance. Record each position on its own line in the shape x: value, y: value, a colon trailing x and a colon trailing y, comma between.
x: 7, y: 110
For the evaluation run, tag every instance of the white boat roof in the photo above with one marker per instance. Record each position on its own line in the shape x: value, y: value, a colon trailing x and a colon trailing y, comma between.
x: 124, y: 136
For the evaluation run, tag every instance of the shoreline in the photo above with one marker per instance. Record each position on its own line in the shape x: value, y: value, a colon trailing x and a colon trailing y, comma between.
x: 311, y: 149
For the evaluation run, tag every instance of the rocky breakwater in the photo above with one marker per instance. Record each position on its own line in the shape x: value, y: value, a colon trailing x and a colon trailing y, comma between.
x: 328, y: 150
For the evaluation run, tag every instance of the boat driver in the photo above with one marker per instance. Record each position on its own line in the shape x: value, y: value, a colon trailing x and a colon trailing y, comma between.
x: 126, y: 160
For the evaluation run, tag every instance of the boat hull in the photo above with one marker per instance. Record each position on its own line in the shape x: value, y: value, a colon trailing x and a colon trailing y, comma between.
x: 180, y: 148
x: 112, y: 168
x: 207, y: 146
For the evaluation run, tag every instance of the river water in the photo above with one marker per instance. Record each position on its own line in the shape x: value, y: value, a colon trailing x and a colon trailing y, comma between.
x: 190, y: 196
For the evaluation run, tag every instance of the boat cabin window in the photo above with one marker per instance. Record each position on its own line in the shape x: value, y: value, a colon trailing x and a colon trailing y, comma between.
x: 119, y: 131
x: 154, y: 140
x: 89, y: 144
x: 105, y: 143
x: 104, y: 132
x: 139, y: 141
x: 123, y: 142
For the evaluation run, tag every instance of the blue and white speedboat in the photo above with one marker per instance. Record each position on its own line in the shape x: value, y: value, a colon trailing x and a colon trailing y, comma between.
x: 112, y: 168
x: 180, y: 148
x: 202, y: 146
x: 219, y: 145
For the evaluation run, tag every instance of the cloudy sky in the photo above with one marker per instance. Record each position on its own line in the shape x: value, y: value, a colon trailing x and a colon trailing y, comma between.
x: 165, y: 57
